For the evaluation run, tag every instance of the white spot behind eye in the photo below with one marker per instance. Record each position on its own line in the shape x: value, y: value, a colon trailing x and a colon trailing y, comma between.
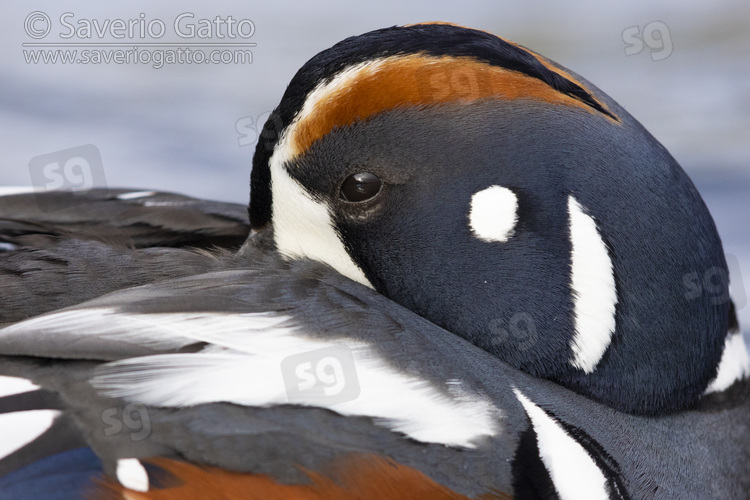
x: 593, y: 288
x: 493, y: 214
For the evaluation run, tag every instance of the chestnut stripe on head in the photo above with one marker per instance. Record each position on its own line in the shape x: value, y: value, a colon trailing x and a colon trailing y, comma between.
x: 369, y: 88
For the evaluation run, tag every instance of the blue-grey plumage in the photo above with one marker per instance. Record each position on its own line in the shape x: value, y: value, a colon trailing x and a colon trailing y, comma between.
x: 326, y: 307
x: 464, y: 258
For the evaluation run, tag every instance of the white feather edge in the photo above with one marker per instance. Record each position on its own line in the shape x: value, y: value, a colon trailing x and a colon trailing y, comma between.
x: 134, y: 195
x: 17, y: 429
x: 242, y: 365
x: 155, y: 331
x: 10, y: 386
x: 12, y: 190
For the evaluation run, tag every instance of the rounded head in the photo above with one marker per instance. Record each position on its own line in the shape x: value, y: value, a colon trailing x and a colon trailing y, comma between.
x: 505, y: 199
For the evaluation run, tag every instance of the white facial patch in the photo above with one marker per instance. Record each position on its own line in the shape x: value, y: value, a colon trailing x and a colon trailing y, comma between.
x: 734, y: 365
x: 17, y: 429
x: 571, y: 468
x: 303, y: 227
x: 593, y: 288
x: 131, y: 474
x: 493, y: 214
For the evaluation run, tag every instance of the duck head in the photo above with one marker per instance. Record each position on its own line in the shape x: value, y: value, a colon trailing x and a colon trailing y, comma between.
x: 505, y: 199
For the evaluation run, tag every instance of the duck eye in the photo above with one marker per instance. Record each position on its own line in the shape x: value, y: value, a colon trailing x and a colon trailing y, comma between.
x: 360, y: 187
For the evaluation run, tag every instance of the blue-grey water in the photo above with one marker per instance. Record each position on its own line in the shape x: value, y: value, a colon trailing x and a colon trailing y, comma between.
x: 687, y: 79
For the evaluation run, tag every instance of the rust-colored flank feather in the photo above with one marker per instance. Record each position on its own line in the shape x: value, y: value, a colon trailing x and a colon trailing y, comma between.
x: 359, y: 478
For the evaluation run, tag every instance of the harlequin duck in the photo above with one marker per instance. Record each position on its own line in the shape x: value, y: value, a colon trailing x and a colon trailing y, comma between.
x: 464, y: 279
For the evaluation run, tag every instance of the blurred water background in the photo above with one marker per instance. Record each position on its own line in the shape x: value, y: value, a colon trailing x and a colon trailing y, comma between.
x: 176, y: 128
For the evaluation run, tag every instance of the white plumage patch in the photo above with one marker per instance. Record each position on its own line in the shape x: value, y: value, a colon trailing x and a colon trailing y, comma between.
x: 15, y: 385
x: 493, y: 214
x: 243, y: 365
x: 11, y: 190
x: 135, y: 195
x: 20, y: 428
x: 593, y: 288
x: 734, y: 365
x: 303, y: 227
x: 131, y: 474
x: 572, y: 470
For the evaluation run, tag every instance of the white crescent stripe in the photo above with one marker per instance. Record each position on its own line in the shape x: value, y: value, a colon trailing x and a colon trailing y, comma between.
x: 734, y: 365
x: 593, y: 288
x: 574, y: 473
